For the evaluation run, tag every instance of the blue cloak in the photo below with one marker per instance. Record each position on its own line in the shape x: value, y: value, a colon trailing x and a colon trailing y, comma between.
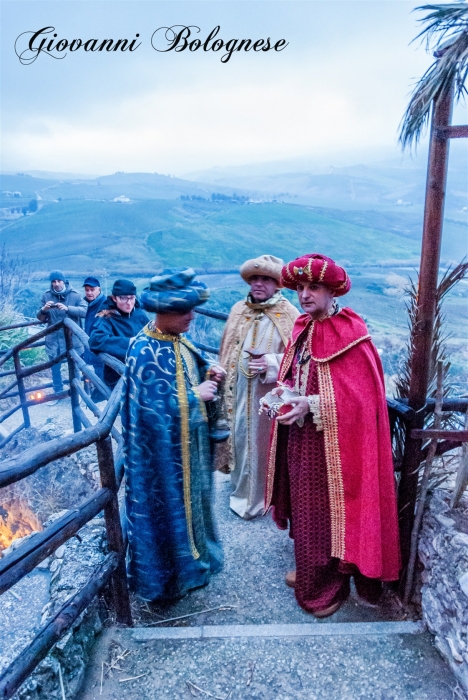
x: 172, y: 542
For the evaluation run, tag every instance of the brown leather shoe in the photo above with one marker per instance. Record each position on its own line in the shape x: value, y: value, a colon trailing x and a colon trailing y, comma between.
x: 290, y: 579
x: 326, y: 612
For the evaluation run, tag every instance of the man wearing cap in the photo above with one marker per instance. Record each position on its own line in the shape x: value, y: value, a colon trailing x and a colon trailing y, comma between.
x: 59, y: 302
x: 95, y: 300
x: 330, y: 473
x: 173, y: 545
x: 252, y: 347
x: 120, y: 319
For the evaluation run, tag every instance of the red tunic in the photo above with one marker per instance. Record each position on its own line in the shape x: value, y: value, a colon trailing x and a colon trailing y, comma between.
x: 338, y: 485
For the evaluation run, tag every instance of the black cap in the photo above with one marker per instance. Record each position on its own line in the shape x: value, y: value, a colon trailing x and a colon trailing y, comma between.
x: 91, y: 282
x: 123, y: 287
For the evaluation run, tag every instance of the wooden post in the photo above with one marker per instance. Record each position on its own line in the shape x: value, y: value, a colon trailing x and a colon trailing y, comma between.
x: 424, y: 326
x: 114, y: 531
x: 424, y: 486
x: 21, y: 390
x: 462, y: 475
x: 72, y: 374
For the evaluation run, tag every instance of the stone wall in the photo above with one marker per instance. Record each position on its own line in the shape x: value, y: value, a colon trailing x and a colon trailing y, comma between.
x: 443, y: 552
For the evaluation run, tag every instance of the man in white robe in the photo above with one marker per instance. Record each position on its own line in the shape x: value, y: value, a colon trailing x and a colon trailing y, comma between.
x: 252, y: 348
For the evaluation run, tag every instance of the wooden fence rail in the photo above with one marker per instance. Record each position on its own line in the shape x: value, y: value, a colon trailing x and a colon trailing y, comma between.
x: 23, y: 559
x: 29, y: 461
x: 28, y: 555
x: 58, y: 625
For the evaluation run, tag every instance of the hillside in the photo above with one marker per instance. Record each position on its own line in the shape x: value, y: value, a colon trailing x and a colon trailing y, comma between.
x: 138, y: 237
x: 135, y: 186
x: 391, y: 185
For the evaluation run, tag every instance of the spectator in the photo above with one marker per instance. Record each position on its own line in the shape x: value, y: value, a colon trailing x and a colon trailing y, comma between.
x: 116, y: 324
x: 59, y: 302
x: 95, y: 300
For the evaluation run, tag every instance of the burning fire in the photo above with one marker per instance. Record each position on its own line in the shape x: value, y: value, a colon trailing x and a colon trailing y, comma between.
x: 16, y: 520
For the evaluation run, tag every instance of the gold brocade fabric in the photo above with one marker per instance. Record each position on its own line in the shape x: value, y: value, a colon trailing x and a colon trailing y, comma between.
x: 241, y: 319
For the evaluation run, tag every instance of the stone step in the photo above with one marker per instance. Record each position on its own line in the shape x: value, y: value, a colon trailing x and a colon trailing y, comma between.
x: 322, y: 629
x: 318, y: 661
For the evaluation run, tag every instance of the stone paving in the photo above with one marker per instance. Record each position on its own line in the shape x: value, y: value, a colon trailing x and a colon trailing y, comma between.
x: 251, y: 591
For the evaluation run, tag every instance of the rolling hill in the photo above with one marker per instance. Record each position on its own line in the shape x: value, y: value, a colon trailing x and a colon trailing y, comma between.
x: 85, y: 236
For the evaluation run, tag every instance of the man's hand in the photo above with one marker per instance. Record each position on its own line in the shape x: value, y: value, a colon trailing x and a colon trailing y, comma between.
x: 207, y: 390
x: 47, y: 306
x: 277, y: 391
x: 300, y: 410
x: 217, y: 373
x: 62, y: 307
x: 258, y: 365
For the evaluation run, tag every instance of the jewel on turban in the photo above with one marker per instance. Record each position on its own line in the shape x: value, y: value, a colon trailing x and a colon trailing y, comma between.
x: 317, y: 269
x: 174, y: 291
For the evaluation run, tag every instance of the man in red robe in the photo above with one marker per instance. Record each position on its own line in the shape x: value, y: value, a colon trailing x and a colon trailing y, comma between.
x: 330, y: 473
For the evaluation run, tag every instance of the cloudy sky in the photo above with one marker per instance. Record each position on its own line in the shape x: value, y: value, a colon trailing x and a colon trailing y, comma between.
x: 337, y: 90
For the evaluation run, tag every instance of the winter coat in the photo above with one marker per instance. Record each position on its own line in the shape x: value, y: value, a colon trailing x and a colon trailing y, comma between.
x: 112, y: 332
x: 93, y: 308
x: 55, y: 342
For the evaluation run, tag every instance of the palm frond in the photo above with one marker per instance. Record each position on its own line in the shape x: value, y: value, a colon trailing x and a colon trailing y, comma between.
x: 439, y: 350
x: 446, y: 35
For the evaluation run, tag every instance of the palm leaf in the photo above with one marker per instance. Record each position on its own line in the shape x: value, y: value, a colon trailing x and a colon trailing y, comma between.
x: 439, y: 351
x: 446, y: 35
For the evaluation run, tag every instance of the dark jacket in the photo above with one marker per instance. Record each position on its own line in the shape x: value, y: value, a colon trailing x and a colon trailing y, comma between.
x: 93, y: 308
x: 55, y: 342
x: 112, y: 332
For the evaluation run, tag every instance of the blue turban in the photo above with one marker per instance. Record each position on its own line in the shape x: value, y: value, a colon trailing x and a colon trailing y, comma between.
x: 174, y: 291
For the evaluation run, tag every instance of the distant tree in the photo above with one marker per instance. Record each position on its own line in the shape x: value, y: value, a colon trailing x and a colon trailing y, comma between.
x: 14, y: 276
x: 33, y: 205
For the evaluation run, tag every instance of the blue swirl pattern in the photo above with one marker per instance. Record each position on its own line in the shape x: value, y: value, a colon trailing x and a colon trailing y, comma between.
x: 173, y: 546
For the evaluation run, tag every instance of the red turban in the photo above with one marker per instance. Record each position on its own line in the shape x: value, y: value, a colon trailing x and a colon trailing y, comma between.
x: 319, y: 269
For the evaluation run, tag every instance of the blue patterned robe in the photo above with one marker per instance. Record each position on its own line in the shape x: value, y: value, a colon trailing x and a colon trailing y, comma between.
x: 173, y: 545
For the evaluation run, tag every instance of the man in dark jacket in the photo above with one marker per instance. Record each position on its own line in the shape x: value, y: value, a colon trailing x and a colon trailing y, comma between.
x: 116, y: 324
x: 59, y: 302
x: 96, y: 301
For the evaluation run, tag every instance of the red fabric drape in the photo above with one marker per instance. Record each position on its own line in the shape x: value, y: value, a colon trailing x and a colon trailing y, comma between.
x: 370, y: 525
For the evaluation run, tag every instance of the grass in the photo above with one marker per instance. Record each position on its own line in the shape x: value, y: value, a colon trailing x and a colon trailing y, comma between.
x: 86, y: 235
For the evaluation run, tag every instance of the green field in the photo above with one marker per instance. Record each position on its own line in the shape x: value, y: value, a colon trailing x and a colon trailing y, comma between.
x: 85, y: 237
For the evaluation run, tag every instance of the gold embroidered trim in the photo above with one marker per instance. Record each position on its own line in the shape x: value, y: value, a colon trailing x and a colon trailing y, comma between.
x: 185, y: 443
x: 314, y: 407
x: 336, y: 354
x: 343, y: 284
x: 333, y: 459
x: 289, y: 273
x: 322, y: 271
x: 188, y: 344
x: 286, y: 363
x: 271, y: 467
x: 158, y: 335
x: 309, y: 271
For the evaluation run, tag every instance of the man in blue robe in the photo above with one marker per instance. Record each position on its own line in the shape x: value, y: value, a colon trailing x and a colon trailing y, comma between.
x: 172, y: 541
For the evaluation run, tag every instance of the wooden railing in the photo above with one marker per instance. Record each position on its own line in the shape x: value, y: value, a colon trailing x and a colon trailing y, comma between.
x: 15, y: 565
x: 24, y: 558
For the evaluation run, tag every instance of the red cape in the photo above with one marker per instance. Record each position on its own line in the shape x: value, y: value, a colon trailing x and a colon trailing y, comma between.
x: 357, y: 440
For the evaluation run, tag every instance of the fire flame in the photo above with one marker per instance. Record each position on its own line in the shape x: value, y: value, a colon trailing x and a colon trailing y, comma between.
x: 16, y: 520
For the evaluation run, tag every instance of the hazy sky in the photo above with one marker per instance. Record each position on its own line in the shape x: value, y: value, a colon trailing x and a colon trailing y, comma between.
x: 340, y: 86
